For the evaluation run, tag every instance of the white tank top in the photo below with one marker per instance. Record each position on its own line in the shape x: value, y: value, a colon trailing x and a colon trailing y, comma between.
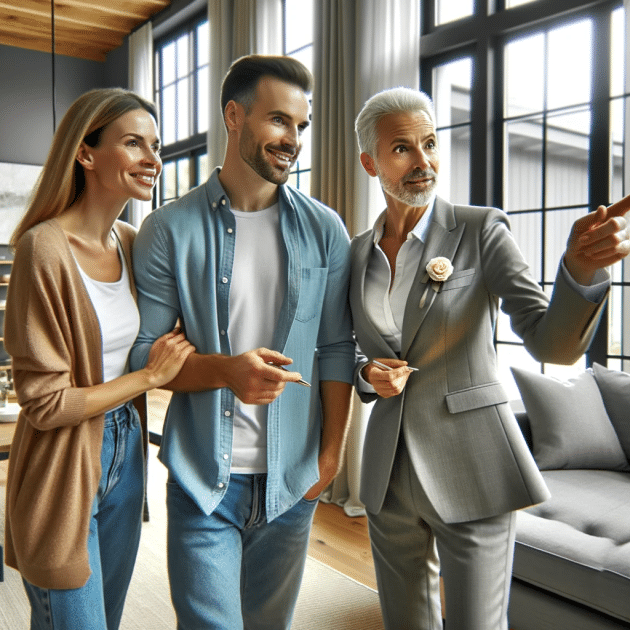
x: 118, y: 317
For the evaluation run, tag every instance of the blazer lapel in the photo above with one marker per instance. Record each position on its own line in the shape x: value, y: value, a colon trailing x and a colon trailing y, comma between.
x: 361, y: 251
x: 443, y: 238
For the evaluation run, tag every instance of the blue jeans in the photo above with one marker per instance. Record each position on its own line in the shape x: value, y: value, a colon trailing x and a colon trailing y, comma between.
x: 233, y: 569
x: 113, y: 539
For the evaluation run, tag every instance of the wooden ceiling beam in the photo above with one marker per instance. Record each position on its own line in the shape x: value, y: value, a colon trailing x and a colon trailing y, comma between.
x: 63, y: 32
x: 87, y: 29
x: 67, y: 15
x: 61, y: 48
x: 139, y: 9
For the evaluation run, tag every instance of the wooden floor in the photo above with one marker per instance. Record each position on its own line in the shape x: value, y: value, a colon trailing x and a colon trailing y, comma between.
x: 342, y: 542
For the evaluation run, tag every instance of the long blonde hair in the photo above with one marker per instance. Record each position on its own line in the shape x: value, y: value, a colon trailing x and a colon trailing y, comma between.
x: 62, y: 179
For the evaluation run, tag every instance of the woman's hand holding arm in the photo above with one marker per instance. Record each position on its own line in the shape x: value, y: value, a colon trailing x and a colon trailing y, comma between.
x: 166, y: 357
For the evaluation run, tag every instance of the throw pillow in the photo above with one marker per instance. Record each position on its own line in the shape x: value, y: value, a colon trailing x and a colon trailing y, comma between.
x: 614, y: 386
x: 570, y: 426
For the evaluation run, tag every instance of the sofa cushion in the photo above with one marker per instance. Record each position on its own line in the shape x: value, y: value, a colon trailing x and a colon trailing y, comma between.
x: 577, y: 543
x: 614, y: 386
x: 569, y: 423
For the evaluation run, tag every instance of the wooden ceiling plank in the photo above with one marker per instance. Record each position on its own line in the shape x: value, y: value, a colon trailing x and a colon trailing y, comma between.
x: 39, y: 44
x: 87, y: 29
x: 33, y: 28
x: 141, y: 9
x: 65, y: 14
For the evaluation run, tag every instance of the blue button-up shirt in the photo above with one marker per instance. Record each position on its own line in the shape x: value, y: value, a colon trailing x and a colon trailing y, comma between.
x: 183, y: 258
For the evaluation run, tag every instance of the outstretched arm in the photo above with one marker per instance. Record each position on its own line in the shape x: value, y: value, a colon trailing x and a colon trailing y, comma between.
x: 598, y: 240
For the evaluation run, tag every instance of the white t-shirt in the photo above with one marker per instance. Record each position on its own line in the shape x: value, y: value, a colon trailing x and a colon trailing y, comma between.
x: 256, y: 292
x: 118, y: 317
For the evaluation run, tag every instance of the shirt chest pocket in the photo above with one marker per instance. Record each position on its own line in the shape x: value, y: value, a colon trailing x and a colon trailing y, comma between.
x: 312, y: 290
x: 459, y: 279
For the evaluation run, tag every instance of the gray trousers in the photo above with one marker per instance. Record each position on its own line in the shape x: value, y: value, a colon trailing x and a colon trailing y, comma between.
x: 411, y: 545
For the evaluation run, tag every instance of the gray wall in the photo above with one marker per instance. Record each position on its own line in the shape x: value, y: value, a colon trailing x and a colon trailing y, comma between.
x: 26, y: 96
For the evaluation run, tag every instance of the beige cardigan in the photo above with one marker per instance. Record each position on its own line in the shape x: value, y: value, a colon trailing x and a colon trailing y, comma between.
x: 54, y: 339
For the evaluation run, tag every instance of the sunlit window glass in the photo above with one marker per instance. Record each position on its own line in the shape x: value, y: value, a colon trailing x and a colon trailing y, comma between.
x: 617, y: 57
x: 168, y: 181
x: 619, y: 300
x: 298, y: 26
x: 523, y: 180
x: 452, y: 83
x: 298, y: 43
x: 509, y: 4
x: 567, y: 154
x: 450, y: 10
x: 168, y: 64
x: 524, y: 57
x: 569, y: 65
x: 202, y: 88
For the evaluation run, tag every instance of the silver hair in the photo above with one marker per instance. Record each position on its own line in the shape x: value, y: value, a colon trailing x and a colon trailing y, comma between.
x: 392, y: 101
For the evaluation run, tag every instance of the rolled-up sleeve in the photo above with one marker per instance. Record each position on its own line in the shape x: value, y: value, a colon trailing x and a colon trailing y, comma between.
x: 158, y: 300
x: 335, y: 342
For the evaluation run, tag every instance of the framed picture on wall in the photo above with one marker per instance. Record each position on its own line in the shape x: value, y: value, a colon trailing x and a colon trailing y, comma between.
x: 16, y: 185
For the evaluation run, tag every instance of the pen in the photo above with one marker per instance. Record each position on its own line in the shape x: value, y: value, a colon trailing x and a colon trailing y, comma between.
x: 386, y: 367
x: 300, y: 382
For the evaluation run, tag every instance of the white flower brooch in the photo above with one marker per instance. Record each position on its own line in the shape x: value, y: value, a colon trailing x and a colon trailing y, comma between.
x: 438, y: 270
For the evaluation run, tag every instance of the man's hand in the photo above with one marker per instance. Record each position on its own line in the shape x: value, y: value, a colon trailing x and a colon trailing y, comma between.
x: 387, y: 383
x: 253, y: 378
x: 328, y: 469
x: 336, y: 397
x: 597, y: 240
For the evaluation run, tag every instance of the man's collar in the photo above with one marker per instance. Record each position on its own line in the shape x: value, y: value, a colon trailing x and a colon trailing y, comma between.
x: 218, y: 197
x: 419, y: 230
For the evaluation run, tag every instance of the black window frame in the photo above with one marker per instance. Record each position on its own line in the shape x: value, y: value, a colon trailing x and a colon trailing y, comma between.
x: 195, y: 145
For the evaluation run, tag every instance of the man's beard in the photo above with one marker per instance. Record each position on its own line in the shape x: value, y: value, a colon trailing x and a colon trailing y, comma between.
x: 397, y: 189
x: 254, y: 155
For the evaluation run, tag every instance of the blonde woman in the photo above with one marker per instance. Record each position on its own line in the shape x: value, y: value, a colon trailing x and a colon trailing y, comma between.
x: 75, y: 484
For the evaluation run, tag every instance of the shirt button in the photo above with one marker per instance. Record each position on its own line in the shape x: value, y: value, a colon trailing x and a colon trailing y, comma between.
x: 230, y: 230
x: 222, y: 202
x: 220, y: 484
x: 223, y: 332
x: 227, y: 413
x: 214, y: 204
x: 224, y: 280
x: 226, y: 456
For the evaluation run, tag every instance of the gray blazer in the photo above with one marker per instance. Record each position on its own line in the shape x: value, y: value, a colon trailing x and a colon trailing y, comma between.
x: 463, y: 439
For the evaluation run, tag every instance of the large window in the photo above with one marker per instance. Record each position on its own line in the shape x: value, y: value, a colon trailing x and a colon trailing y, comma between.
x: 181, y: 92
x: 530, y: 104
x: 298, y: 43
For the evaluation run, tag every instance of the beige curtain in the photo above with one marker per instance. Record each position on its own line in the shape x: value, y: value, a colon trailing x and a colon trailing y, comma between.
x: 360, y: 48
x: 140, y: 80
x: 237, y: 28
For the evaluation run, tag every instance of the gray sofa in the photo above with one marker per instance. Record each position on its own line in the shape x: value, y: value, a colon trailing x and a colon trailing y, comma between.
x: 572, y: 556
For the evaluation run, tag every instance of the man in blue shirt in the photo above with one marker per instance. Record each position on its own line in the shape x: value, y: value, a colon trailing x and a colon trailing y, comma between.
x: 257, y: 274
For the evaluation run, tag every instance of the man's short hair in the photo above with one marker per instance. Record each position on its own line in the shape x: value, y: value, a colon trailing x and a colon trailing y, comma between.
x: 392, y: 101
x: 242, y: 79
